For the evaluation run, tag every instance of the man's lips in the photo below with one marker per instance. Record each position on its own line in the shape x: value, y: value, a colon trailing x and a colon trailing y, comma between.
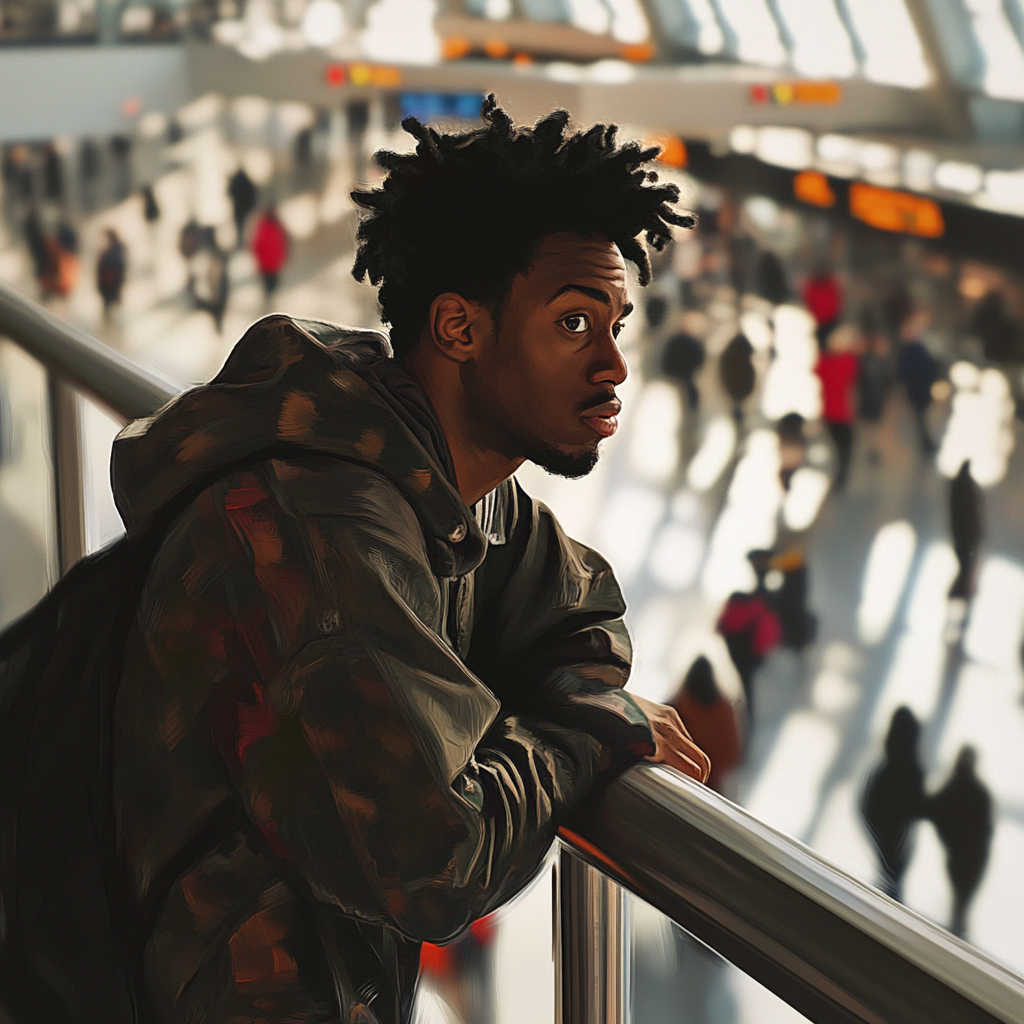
x: 603, y: 420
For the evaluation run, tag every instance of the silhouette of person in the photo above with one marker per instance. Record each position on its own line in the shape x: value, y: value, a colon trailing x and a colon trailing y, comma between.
x: 710, y: 719
x: 770, y: 277
x: 682, y: 358
x: 966, y: 520
x: 789, y: 599
x: 918, y: 370
x: 242, y: 191
x: 736, y: 370
x: 110, y: 271
x: 962, y: 814
x: 150, y: 207
x: 792, y: 446
x: 894, y: 799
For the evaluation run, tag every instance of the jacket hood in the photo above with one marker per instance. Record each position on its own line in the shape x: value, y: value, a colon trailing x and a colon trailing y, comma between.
x: 288, y: 387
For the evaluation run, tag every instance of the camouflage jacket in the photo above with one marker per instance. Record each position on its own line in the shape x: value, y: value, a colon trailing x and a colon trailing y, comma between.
x: 353, y: 711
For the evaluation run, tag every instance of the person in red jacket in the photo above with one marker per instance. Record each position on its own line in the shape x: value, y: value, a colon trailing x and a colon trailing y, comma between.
x: 823, y: 296
x: 710, y: 719
x: 270, y: 247
x: 837, y: 368
x: 751, y: 627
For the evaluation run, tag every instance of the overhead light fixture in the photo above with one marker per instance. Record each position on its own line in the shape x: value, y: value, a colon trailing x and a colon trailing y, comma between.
x: 919, y: 169
x: 880, y: 163
x: 839, y: 155
x: 323, y: 23
x: 958, y: 177
x: 743, y: 139
x: 1004, y: 192
x: 785, y: 147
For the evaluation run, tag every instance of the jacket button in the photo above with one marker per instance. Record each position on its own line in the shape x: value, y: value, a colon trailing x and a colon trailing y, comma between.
x: 458, y: 534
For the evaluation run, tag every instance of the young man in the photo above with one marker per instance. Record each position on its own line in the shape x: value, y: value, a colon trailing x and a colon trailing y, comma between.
x: 369, y: 677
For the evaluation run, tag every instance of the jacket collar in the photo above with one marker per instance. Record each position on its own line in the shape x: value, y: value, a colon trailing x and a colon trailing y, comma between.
x: 290, y: 386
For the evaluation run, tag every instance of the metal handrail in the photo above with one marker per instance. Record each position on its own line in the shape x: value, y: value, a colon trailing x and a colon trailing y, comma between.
x: 834, y: 948
x: 837, y: 950
x: 116, y: 382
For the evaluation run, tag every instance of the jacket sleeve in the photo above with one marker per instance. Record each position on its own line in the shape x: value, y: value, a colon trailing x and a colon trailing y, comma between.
x: 550, y: 638
x: 369, y: 755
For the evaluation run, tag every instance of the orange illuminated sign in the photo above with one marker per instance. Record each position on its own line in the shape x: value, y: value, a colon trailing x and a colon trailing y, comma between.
x: 813, y: 187
x: 801, y: 94
x: 887, y: 210
x: 638, y: 53
x: 380, y: 75
x: 673, y: 150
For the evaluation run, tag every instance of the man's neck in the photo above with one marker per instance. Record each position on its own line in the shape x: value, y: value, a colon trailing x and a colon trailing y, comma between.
x: 478, y: 468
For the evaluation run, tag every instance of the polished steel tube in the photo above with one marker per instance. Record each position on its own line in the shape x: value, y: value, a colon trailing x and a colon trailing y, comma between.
x: 592, y: 954
x: 835, y: 949
x: 112, y: 379
x: 68, y: 487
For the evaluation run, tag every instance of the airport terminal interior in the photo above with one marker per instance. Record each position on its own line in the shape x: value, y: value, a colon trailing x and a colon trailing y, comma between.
x: 821, y: 426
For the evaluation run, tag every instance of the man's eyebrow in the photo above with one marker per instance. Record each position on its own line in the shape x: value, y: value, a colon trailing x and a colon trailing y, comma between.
x: 592, y: 293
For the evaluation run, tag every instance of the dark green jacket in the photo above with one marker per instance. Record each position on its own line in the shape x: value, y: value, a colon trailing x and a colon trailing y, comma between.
x: 348, y: 721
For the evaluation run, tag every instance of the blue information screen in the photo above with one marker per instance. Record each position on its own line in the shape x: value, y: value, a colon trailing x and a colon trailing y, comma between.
x: 434, y: 106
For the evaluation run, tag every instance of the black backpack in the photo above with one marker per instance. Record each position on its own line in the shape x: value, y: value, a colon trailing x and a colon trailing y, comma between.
x: 68, y: 931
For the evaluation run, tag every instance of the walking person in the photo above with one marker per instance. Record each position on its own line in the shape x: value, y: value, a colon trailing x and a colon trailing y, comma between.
x: 837, y: 369
x: 737, y: 373
x: 918, y: 370
x: 150, y: 207
x: 823, y: 298
x: 242, y: 190
x: 209, y: 281
x: 962, y: 814
x: 270, y: 247
x: 682, y: 357
x: 35, y: 241
x: 893, y: 800
x: 710, y: 719
x: 110, y: 271
x: 751, y: 627
x: 873, y: 381
x: 967, y: 524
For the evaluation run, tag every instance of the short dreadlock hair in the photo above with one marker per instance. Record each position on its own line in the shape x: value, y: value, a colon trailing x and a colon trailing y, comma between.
x: 465, y: 212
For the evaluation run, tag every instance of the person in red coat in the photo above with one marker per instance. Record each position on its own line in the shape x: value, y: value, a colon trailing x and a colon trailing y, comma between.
x: 711, y: 720
x: 270, y: 247
x: 751, y: 627
x: 837, y: 368
x: 823, y: 297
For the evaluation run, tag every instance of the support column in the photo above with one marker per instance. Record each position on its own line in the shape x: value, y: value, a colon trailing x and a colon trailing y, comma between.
x: 592, y: 951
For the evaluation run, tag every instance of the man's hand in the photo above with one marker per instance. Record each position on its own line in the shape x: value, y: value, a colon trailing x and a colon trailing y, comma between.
x: 672, y: 743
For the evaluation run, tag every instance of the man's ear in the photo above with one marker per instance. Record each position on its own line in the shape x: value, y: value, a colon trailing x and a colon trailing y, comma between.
x: 457, y: 326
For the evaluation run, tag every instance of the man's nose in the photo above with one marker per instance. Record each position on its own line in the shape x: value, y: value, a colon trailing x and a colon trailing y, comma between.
x: 609, y: 365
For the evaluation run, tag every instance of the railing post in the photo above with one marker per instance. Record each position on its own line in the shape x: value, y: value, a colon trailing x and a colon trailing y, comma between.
x: 68, y: 491
x: 592, y: 953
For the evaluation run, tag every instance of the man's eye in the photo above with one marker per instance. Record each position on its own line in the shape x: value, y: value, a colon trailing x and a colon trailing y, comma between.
x: 617, y: 329
x: 576, y: 324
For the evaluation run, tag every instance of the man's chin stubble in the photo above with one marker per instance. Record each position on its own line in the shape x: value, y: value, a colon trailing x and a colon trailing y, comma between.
x: 560, y: 463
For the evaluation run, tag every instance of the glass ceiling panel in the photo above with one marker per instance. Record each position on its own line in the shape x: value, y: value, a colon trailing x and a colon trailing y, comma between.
x: 690, y: 25
x: 821, y: 44
x: 893, y: 51
x: 1004, y: 62
x: 757, y: 34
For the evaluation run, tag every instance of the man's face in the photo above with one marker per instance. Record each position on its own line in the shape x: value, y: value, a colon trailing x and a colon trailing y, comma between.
x: 543, y: 385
